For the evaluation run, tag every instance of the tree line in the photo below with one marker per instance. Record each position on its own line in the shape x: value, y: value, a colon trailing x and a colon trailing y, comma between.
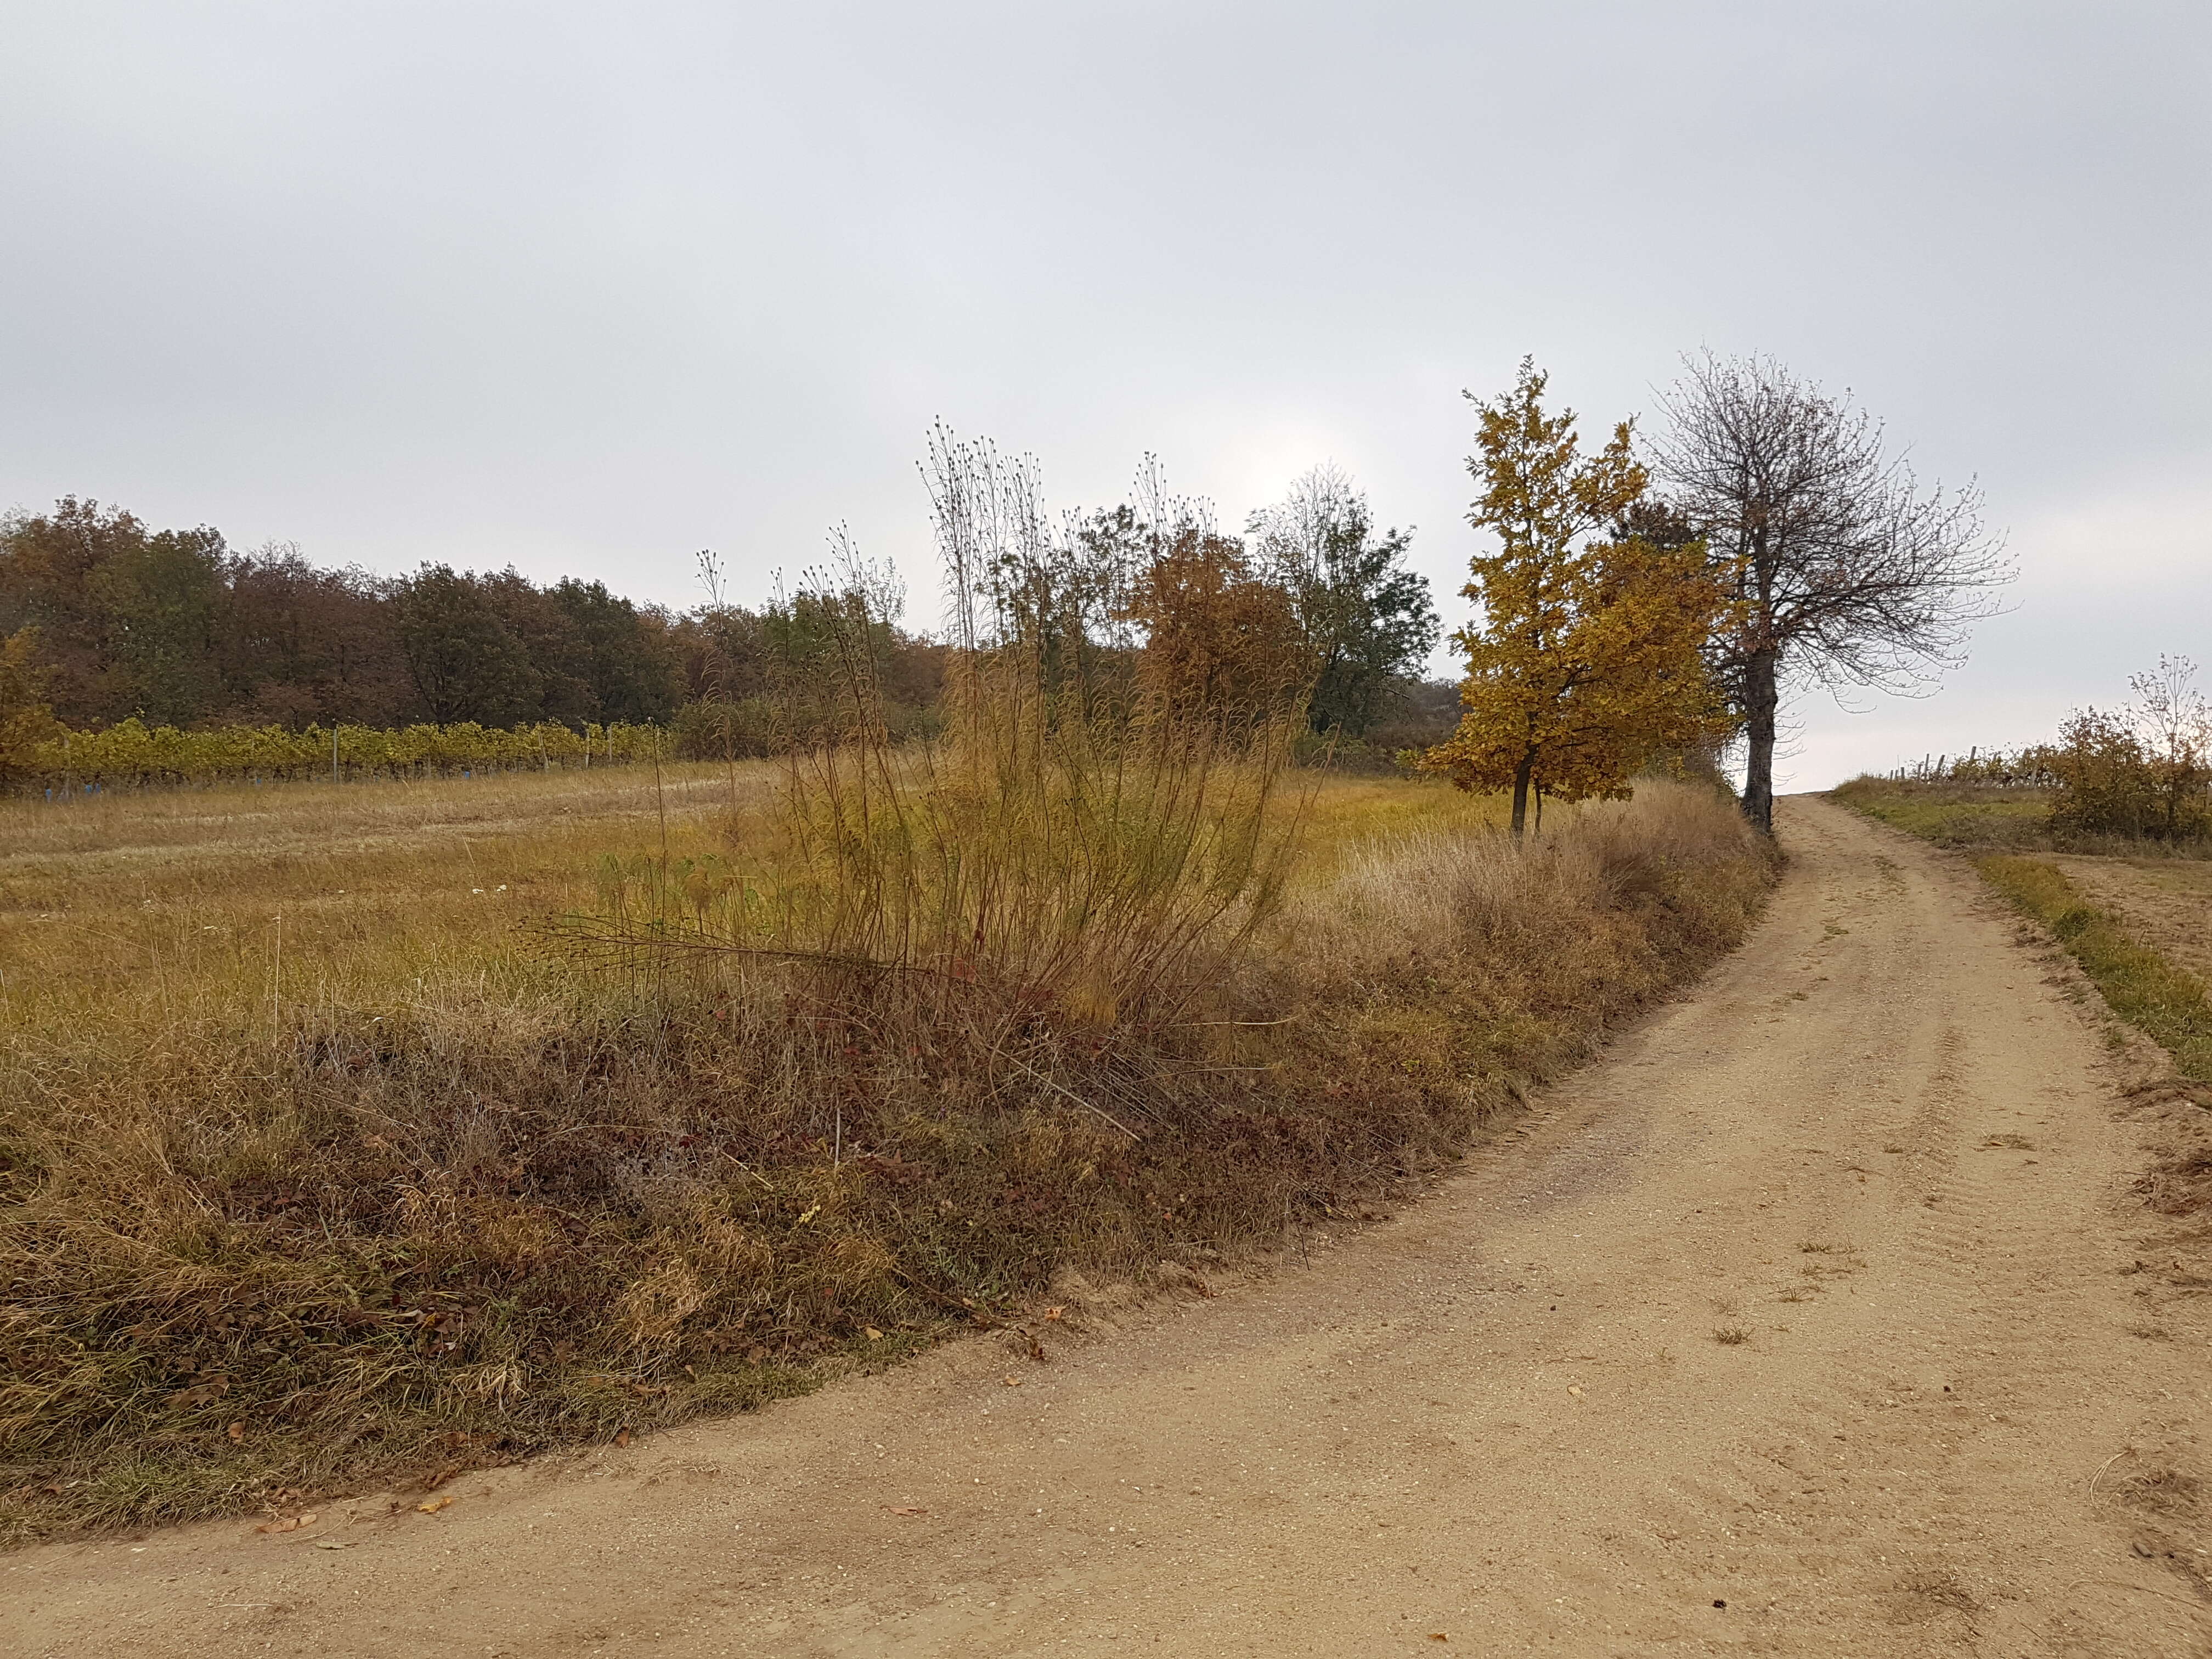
x: 107, y: 622
x: 1651, y: 597
x: 174, y: 628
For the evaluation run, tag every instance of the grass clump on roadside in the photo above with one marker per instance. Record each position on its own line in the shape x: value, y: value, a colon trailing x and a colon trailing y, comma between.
x: 330, y: 1159
x: 2143, y: 988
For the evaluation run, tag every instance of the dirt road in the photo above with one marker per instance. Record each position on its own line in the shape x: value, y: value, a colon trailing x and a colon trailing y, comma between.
x: 1809, y: 1300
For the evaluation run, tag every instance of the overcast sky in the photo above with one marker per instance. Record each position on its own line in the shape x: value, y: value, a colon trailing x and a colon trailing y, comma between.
x: 588, y: 287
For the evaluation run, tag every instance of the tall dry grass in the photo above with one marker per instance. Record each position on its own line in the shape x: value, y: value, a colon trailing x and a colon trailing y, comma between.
x: 333, y: 1149
x: 404, y: 1189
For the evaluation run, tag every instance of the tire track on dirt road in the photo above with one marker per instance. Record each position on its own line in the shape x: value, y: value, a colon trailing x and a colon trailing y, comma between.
x: 1807, y: 1301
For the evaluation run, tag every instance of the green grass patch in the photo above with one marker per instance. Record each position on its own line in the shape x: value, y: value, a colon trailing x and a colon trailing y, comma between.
x: 2141, y: 987
x: 1987, y: 818
x: 1961, y: 816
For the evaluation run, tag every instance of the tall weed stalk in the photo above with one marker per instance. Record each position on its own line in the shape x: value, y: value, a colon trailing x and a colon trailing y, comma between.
x: 1073, y: 847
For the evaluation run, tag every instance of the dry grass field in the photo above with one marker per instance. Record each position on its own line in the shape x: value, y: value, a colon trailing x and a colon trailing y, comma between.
x: 325, y: 1156
x: 129, y: 922
x: 130, y: 913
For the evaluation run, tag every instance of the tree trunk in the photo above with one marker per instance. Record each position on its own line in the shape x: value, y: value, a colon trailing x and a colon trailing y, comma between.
x: 1520, y: 776
x: 1760, y: 701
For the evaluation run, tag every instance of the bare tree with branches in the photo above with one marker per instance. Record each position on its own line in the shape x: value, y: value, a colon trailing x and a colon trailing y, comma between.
x: 1842, y: 570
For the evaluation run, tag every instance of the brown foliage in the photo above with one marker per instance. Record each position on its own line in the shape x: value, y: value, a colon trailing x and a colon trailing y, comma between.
x: 2145, y: 770
x: 1219, y: 639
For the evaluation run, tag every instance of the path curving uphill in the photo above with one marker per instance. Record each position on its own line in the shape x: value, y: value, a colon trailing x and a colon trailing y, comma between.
x: 1797, y: 1326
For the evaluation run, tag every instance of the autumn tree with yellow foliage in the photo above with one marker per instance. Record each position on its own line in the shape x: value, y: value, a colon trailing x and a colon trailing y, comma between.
x: 1586, y: 659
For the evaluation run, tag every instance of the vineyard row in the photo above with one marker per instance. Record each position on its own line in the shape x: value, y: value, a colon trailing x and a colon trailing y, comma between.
x: 132, y: 754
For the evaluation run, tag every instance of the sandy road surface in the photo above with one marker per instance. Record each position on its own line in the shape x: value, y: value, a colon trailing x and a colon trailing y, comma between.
x: 1504, y: 1417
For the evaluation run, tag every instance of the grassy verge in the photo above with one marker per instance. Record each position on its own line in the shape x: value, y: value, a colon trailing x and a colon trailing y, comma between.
x: 1961, y: 816
x: 1981, y: 817
x: 1989, y: 825
x: 2143, y: 988
x: 318, y: 1168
